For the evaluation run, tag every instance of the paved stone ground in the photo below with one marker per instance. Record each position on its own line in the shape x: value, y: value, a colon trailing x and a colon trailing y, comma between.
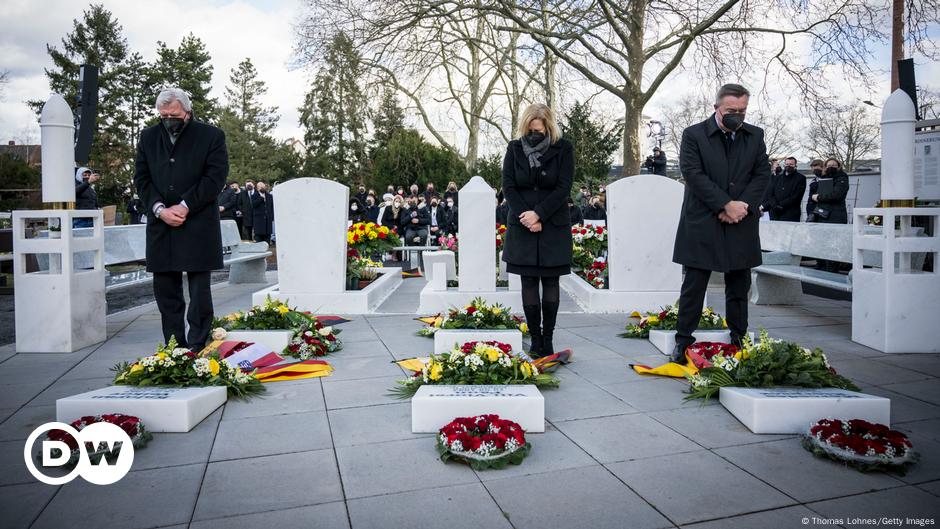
x: 619, y: 451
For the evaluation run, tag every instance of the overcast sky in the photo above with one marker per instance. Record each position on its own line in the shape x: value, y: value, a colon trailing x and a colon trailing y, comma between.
x: 233, y: 30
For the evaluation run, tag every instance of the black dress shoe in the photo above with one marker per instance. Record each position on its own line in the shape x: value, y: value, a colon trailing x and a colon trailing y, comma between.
x: 535, y: 347
x: 678, y: 355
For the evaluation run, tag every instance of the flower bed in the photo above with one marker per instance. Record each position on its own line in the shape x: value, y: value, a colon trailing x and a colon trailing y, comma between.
x: 589, y: 254
x: 667, y: 319
x: 477, y: 315
x: 309, y: 337
x: 478, y: 363
x: 861, y: 444
x: 180, y: 367
x: 483, y: 442
x: 768, y: 363
x: 370, y: 240
x: 130, y: 424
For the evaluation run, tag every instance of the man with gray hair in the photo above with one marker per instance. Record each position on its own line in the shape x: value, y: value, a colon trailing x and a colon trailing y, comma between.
x: 724, y: 163
x: 182, y: 165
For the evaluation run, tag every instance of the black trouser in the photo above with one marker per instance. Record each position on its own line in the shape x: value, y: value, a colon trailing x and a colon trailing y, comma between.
x: 239, y: 222
x: 247, y: 234
x: 168, y: 291
x: 692, y: 299
x: 262, y: 237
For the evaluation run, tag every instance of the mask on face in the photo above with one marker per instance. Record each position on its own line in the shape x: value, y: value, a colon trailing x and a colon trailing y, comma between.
x: 354, y: 207
x: 450, y: 204
x: 817, y: 172
x: 831, y: 171
x: 535, y: 137
x: 433, y: 203
x: 732, y: 121
x: 790, y: 170
x: 173, y: 125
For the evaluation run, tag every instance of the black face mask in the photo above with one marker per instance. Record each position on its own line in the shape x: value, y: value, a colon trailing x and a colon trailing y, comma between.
x: 732, y: 122
x: 790, y: 170
x: 817, y: 172
x: 173, y: 125
x: 535, y: 137
x: 831, y: 171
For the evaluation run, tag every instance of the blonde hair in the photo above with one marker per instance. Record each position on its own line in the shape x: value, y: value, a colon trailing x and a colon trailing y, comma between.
x: 544, y: 113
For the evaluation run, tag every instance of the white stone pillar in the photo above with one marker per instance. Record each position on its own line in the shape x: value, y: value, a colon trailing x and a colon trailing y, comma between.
x: 477, y: 236
x: 60, y: 309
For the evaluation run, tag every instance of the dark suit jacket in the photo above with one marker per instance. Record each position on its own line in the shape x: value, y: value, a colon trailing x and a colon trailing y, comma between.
x: 546, y: 192
x: 194, y: 169
x: 228, y: 200
x: 783, y: 196
x: 716, y: 173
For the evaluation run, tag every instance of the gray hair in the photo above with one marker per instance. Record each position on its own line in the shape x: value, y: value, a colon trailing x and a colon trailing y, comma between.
x: 171, y: 94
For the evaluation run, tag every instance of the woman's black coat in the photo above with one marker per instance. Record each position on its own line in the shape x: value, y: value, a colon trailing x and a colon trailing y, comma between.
x: 834, y: 202
x: 389, y: 219
x: 194, y: 170
x: 545, y: 192
x: 262, y: 211
x: 713, y: 177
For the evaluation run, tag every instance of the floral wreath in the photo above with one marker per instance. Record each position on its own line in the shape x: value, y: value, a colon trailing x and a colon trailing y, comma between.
x: 130, y: 424
x: 864, y: 445
x: 483, y: 442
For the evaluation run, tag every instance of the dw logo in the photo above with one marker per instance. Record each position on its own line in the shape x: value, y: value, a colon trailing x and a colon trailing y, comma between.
x: 105, y: 453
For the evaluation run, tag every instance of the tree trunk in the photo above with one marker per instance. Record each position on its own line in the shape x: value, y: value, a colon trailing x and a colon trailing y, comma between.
x: 897, y: 41
x: 473, y: 132
x: 633, y: 112
x: 551, y: 64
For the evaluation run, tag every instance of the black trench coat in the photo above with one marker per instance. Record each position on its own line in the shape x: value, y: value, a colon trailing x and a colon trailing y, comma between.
x: 713, y: 177
x: 548, y: 197
x: 194, y: 169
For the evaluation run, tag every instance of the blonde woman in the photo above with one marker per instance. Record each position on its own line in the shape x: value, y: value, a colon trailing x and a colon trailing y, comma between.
x: 537, y: 173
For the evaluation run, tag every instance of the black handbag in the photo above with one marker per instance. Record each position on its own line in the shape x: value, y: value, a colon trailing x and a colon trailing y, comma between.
x: 822, y: 212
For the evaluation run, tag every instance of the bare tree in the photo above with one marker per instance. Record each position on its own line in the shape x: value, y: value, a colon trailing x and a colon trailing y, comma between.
x: 4, y: 80
x: 677, y: 117
x: 630, y: 49
x: 779, y: 135
x: 929, y: 102
x: 430, y: 52
x: 848, y: 133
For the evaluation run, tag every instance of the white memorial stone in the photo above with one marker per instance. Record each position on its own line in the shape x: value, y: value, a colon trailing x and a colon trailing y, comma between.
x: 444, y: 339
x: 642, y: 217
x: 311, y: 221
x: 792, y: 410
x: 161, y: 409
x: 275, y: 340
x: 445, y: 257
x: 434, y: 406
x: 477, y: 237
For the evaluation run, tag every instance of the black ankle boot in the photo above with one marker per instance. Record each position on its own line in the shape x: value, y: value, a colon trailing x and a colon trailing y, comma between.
x: 549, y: 314
x: 535, y: 347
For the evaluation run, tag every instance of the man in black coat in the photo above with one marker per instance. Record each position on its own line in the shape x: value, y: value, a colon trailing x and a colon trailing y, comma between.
x: 575, y: 213
x: 181, y: 167
x: 227, y: 202
x: 415, y: 223
x: 262, y: 211
x: 248, y: 220
x: 657, y: 162
x: 785, y: 193
x: 724, y: 163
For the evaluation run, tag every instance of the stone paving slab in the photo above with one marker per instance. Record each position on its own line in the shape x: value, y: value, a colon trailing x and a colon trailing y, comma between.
x: 620, y: 449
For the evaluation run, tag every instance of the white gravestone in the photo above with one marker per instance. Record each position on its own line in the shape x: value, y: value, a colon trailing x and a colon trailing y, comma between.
x: 665, y: 341
x: 445, y: 257
x: 477, y: 237
x: 792, y: 410
x: 311, y: 220
x: 477, y: 258
x: 161, y: 409
x: 642, y: 217
x: 434, y: 406
x: 275, y: 340
x: 444, y: 339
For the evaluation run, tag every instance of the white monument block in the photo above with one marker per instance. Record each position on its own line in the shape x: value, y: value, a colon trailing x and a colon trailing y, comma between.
x: 444, y: 339
x: 445, y: 257
x: 60, y: 309
x: 792, y: 410
x: 642, y: 217
x: 897, y: 147
x: 477, y: 237
x: 274, y: 340
x: 161, y: 409
x: 57, y: 133
x: 310, y: 216
x: 434, y: 406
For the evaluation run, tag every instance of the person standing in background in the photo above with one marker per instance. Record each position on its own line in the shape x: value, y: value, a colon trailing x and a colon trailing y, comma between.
x: 227, y: 202
x: 262, y: 211
x: 247, y: 209
x: 85, y: 195
x: 181, y: 166
x: 785, y: 193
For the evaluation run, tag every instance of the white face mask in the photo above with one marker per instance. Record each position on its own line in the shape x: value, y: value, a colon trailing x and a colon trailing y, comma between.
x: 354, y: 207
x: 450, y: 204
